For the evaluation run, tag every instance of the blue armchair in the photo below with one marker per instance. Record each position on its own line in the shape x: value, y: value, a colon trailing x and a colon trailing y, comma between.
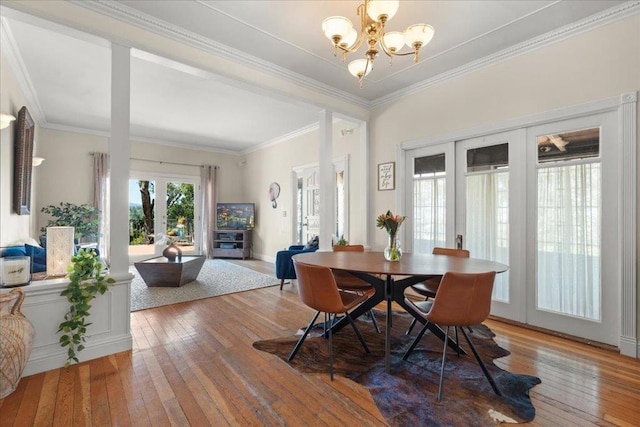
x: 284, y: 263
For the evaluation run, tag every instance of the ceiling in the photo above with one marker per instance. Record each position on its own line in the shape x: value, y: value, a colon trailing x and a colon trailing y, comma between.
x: 67, y: 73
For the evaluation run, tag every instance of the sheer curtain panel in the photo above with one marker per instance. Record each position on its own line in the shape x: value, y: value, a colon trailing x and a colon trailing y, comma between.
x: 101, y: 201
x: 208, y: 211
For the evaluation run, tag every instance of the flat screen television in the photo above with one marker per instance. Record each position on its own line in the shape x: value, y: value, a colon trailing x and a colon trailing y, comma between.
x: 235, y: 216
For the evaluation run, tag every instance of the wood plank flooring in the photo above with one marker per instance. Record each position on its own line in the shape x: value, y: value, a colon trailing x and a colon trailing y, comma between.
x: 194, y: 364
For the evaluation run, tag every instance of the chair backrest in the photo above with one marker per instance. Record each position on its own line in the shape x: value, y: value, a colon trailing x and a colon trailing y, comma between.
x: 462, y: 253
x: 317, y: 288
x: 462, y: 299
x: 348, y: 248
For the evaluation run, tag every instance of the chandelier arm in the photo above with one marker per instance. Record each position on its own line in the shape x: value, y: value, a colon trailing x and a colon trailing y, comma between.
x: 383, y: 45
x: 362, y: 11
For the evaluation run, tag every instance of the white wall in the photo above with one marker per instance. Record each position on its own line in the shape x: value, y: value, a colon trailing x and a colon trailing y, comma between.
x: 13, y: 227
x: 65, y: 175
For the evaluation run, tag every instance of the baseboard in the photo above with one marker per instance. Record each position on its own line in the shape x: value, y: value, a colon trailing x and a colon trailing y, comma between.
x: 630, y: 347
x: 57, y: 358
x: 266, y: 258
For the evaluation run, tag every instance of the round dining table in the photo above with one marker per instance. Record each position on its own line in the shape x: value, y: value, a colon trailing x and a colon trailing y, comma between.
x: 390, y: 279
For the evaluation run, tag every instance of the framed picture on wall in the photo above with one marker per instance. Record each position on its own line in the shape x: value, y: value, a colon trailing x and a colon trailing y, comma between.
x: 387, y: 176
x: 23, y: 159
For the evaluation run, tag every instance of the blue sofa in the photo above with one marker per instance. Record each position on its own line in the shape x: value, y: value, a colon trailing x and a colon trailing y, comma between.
x: 38, y: 255
x: 284, y: 263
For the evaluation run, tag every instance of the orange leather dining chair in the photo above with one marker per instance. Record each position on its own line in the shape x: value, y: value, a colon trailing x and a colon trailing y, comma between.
x: 348, y: 282
x: 462, y: 299
x: 317, y: 289
x: 429, y: 287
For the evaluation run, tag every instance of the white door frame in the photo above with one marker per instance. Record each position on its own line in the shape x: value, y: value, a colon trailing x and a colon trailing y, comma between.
x: 517, y: 213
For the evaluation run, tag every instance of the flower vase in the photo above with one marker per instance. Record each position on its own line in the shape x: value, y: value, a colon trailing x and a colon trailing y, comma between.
x: 172, y: 252
x: 393, y: 252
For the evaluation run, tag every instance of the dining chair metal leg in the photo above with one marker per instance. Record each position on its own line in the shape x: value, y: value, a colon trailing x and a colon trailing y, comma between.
x: 374, y: 321
x: 444, y: 359
x: 455, y: 328
x: 330, y: 345
x: 355, y: 329
x: 413, y: 323
x: 482, y: 365
x: 415, y: 342
x: 302, y: 338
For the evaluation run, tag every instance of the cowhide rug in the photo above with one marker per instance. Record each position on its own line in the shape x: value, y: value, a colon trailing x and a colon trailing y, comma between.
x: 408, y: 395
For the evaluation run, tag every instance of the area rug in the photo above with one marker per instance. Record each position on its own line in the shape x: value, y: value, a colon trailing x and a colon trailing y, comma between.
x: 408, y: 395
x: 217, y: 277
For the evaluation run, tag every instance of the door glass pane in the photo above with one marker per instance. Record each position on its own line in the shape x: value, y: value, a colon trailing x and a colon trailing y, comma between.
x: 487, y: 210
x: 429, y: 197
x: 180, y: 214
x: 568, y: 234
x: 141, y: 217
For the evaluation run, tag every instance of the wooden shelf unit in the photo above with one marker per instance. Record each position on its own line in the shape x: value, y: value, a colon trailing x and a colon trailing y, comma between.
x: 232, y: 244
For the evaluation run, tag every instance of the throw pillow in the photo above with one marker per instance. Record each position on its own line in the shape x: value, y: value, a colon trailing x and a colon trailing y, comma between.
x: 38, y: 257
x: 14, y: 251
x: 313, y: 243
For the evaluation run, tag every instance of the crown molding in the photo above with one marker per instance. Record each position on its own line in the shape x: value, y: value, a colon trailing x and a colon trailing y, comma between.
x: 137, y: 138
x: 283, y: 138
x: 134, y: 17
x: 14, y: 59
x: 608, y: 16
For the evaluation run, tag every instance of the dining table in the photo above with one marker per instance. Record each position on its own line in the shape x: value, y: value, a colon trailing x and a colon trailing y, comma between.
x: 391, y: 278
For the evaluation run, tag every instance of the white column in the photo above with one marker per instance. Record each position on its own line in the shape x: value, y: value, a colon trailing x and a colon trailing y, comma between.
x: 365, y: 181
x: 629, y: 316
x: 327, y: 187
x: 119, y: 152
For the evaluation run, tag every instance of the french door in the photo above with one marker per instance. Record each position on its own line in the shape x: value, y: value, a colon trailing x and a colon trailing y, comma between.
x: 533, y: 199
x: 490, y: 211
x: 163, y: 209
x: 573, y: 252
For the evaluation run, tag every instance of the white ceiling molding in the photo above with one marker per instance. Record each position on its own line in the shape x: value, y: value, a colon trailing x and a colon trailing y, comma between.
x: 19, y: 69
x: 133, y: 17
x: 611, y: 15
x: 283, y: 138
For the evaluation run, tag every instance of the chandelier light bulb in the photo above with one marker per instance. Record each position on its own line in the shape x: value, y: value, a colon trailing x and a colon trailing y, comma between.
x: 418, y: 35
x: 394, y: 40
x: 336, y: 28
x: 360, y: 67
x: 349, y: 39
x: 378, y: 8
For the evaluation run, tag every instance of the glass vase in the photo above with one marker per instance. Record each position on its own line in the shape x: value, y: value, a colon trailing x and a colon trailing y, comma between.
x: 393, y: 252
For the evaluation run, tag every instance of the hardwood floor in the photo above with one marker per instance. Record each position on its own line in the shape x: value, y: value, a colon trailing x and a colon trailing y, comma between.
x: 193, y: 364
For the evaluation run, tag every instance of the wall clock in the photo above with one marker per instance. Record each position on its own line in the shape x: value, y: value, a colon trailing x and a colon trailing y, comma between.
x: 274, y: 192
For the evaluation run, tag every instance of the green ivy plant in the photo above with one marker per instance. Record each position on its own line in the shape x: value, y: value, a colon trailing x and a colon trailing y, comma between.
x: 86, y: 280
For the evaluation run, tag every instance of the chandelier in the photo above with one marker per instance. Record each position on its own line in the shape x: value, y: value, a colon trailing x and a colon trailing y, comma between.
x: 374, y: 14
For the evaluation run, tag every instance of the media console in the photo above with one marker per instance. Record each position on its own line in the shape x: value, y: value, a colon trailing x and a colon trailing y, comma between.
x: 232, y: 244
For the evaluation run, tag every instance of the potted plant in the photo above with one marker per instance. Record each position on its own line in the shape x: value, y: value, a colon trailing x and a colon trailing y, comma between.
x: 84, y: 218
x: 86, y: 280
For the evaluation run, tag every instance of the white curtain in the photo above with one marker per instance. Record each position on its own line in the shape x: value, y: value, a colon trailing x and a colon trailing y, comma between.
x: 429, y: 213
x: 101, y: 201
x: 487, y: 223
x: 568, y: 241
x: 208, y: 212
